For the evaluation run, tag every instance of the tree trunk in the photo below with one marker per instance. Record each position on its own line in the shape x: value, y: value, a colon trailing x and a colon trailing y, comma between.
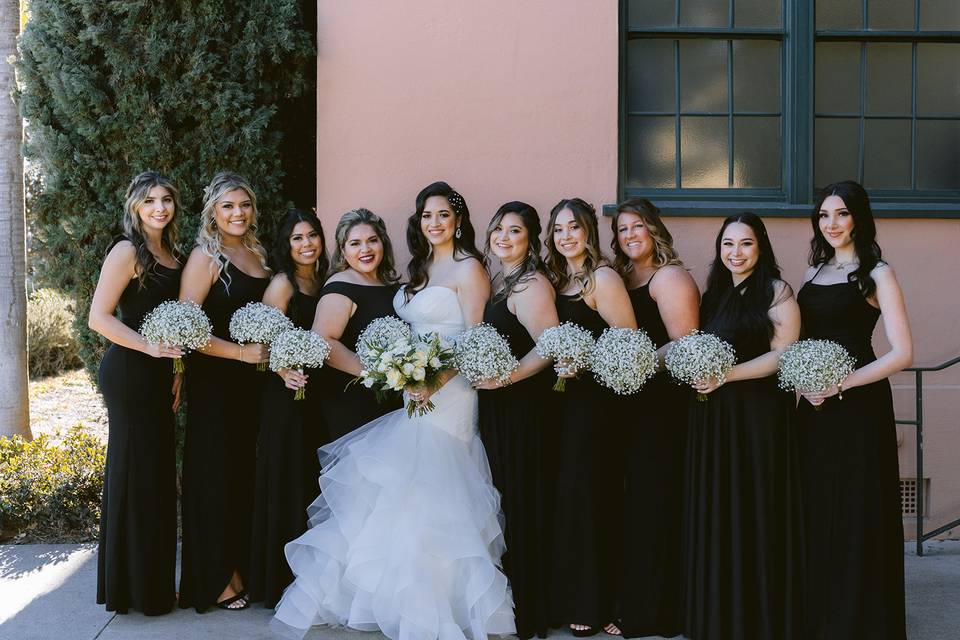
x: 14, y: 401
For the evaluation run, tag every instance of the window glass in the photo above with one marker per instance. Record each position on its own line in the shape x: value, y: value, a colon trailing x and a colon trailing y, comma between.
x: 889, y: 78
x: 756, y: 152
x: 886, y: 154
x: 891, y: 14
x: 651, y: 152
x: 756, y: 75
x: 703, y: 152
x: 938, y: 81
x: 938, y: 154
x: 704, y: 13
x: 651, y: 13
x: 758, y: 13
x: 703, y: 75
x: 836, y: 150
x: 839, y: 14
x: 651, y: 79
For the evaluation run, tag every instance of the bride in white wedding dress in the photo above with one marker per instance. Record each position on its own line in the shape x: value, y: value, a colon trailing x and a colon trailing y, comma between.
x: 406, y: 536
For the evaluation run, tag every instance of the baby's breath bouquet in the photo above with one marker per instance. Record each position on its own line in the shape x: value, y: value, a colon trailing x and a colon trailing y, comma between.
x: 698, y: 356
x: 624, y: 359
x: 481, y: 353
x: 256, y: 322
x: 178, y: 324
x: 814, y: 365
x: 298, y: 349
x: 568, y: 343
x: 380, y: 336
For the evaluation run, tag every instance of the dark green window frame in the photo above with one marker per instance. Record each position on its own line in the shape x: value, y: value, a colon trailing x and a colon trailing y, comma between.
x: 798, y: 38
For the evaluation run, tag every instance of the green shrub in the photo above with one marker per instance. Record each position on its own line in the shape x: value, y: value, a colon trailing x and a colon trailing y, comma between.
x: 51, y: 491
x: 50, y: 338
x: 110, y: 89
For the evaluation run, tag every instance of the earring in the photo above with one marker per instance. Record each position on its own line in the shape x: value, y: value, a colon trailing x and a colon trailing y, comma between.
x: 458, y: 233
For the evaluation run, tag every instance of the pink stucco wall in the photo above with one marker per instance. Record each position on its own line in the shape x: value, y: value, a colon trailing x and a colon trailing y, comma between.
x: 511, y: 100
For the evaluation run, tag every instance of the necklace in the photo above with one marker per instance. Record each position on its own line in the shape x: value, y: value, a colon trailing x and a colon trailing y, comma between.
x: 843, y: 265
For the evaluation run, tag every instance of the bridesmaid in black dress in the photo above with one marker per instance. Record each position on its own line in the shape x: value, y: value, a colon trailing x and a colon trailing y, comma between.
x: 291, y: 430
x: 742, y: 527
x: 515, y: 424
x: 849, y: 448
x: 225, y: 271
x: 589, y: 498
x: 137, y: 557
x: 360, y: 290
x: 666, y: 303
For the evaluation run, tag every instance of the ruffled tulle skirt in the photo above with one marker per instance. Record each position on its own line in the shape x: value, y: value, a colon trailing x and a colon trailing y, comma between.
x: 405, y: 537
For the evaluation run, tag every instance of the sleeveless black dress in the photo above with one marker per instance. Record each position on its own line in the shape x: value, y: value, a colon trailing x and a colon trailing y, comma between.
x: 137, y: 557
x: 654, y: 449
x: 347, y: 407
x: 219, y: 454
x: 743, y: 530
x: 291, y: 431
x: 515, y: 427
x: 851, y: 485
x: 589, y: 494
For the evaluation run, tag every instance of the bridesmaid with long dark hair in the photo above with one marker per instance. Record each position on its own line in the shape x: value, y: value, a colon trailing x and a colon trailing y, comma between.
x: 515, y: 425
x: 666, y: 303
x: 226, y: 270
x: 290, y: 430
x: 360, y: 290
x: 742, y: 524
x: 589, y: 497
x: 849, y: 448
x: 136, y: 558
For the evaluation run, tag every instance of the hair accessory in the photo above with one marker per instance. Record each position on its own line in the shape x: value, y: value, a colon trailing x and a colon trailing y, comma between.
x: 456, y: 201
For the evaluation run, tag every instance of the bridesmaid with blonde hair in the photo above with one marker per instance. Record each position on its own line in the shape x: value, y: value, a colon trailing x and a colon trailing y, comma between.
x: 226, y: 270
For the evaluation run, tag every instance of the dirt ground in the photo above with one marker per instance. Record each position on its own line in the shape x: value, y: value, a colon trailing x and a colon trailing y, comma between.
x: 60, y: 402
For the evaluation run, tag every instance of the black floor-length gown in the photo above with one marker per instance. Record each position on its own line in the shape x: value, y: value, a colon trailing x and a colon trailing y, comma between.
x: 219, y: 453
x: 851, y: 485
x: 291, y: 431
x: 743, y: 537
x: 650, y: 596
x: 347, y: 406
x: 137, y: 557
x: 589, y: 495
x: 515, y: 427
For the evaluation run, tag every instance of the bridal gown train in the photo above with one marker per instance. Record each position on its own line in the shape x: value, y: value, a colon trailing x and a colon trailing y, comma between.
x: 405, y: 536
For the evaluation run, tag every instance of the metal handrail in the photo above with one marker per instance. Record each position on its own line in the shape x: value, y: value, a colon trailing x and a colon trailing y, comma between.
x: 918, y: 423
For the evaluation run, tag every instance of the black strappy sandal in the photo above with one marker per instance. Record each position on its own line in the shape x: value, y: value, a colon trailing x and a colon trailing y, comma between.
x: 225, y: 604
x: 583, y: 633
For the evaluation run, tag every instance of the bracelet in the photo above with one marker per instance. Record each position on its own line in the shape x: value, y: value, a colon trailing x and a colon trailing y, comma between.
x: 241, y: 354
x: 840, y: 390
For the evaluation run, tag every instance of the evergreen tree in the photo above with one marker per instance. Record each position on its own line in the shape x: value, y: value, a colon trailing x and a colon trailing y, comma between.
x: 110, y: 88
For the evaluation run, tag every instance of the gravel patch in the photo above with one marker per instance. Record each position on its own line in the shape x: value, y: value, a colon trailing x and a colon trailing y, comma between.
x: 59, y: 403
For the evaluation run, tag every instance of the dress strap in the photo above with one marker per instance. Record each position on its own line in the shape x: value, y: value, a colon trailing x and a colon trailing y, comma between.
x: 819, y: 269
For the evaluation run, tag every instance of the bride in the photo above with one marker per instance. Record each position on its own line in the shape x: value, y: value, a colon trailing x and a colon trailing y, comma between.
x: 405, y: 537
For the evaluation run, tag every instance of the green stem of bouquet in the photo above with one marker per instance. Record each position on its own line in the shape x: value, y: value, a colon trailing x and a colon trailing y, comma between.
x: 300, y: 394
x: 560, y: 385
x: 701, y: 397
x: 178, y: 365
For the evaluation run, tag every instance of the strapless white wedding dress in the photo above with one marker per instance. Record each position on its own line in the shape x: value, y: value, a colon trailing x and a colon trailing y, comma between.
x: 406, y: 535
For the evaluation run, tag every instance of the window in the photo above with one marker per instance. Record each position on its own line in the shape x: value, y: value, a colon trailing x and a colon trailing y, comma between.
x: 760, y: 102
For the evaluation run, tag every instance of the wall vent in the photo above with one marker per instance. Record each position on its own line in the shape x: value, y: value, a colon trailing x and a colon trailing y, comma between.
x: 908, y: 496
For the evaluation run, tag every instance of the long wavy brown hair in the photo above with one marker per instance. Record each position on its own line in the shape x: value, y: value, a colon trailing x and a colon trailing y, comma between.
x: 664, y: 252
x: 532, y: 262
x: 386, y: 272
x: 557, y: 266
x: 137, y: 193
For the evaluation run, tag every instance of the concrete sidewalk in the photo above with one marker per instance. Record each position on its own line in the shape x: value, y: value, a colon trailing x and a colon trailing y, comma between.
x: 47, y: 592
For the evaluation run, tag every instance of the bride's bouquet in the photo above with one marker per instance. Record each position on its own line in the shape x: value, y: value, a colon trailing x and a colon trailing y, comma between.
x: 698, y: 356
x: 814, y: 365
x: 568, y: 343
x: 624, y: 359
x: 481, y: 353
x: 378, y: 337
x: 298, y: 349
x: 256, y: 322
x: 179, y: 324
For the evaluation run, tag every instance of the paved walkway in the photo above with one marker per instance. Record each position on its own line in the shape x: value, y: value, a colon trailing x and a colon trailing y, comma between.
x: 47, y: 592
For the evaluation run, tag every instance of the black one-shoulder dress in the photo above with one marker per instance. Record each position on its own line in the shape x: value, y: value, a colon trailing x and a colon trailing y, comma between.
x: 851, y: 485
x: 291, y: 431
x: 516, y: 424
x: 743, y: 528
x: 589, y: 494
x: 219, y: 453
x: 347, y: 406
x: 654, y: 436
x: 137, y: 557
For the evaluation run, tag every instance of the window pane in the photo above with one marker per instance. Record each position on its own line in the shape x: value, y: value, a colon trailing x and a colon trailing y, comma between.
x: 705, y: 13
x: 651, y: 152
x: 756, y: 75
x: 703, y: 75
x: 703, y: 152
x: 836, y: 150
x: 837, y: 77
x: 886, y: 154
x: 889, y: 78
x: 938, y: 154
x: 890, y: 14
x: 840, y: 14
x: 651, y: 13
x: 757, y: 13
x: 651, y: 80
x: 756, y: 152
x: 939, y: 15
x: 938, y: 71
